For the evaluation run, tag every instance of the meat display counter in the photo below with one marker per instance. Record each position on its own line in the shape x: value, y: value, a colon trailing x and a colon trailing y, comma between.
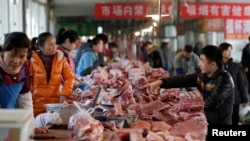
x: 165, y: 114
x: 61, y: 134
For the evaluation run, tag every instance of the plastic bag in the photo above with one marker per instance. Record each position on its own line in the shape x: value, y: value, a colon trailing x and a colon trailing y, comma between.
x: 85, y: 127
x: 244, y: 114
x: 48, y: 119
x: 85, y: 114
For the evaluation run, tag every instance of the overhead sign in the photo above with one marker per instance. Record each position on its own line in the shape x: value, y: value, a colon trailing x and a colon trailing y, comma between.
x: 215, y: 10
x: 129, y: 10
x: 83, y: 29
x: 237, y: 28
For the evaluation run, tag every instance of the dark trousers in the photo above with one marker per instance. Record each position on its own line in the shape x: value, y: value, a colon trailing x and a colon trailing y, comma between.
x: 235, y: 116
x: 248, y: 81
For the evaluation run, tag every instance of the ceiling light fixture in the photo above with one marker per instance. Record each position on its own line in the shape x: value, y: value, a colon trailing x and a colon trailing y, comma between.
x: 185, y: 3
x: 156, y: 17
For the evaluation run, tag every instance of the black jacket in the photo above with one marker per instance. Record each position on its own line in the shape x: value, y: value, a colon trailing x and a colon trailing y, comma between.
x: 245, y: 58
x: 154, y: 59
x: 240, y: 91
x: 217, y: 92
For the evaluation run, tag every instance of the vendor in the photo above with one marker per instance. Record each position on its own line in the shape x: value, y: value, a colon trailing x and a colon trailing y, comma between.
x: 48, y: 68
x: 14, y: 70
x: 92, y: 57
x: 67, y: 41
x: 14, y: 88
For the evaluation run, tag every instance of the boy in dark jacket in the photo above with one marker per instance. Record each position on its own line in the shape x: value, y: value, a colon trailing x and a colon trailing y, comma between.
x: 214, y: 83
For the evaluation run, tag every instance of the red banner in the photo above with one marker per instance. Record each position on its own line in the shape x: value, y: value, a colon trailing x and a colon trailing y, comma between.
x: 215, y: 10
x: 128, y: 10
x: 236, y: 29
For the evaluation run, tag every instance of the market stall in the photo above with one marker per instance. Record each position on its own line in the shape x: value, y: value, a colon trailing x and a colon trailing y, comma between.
x: 125, y: 111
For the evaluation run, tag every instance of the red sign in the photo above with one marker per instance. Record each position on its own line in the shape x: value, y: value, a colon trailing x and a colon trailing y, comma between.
x: 128, y: 10
x: 215, y: 10
x: 236, y: 28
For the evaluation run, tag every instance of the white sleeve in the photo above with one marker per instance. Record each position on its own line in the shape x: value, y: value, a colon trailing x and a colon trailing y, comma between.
x: 24, y: 101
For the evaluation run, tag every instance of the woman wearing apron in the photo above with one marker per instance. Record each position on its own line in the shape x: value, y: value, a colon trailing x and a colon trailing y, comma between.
x: 14, y: 70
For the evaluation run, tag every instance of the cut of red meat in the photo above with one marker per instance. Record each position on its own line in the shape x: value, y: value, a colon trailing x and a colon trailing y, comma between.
x: 166, y: 117
x: 122, y: 134
x: 190, y: 126
x: 154, y: 137
x: 142, y: 125
x: 140, y: 82
x: 168, y: 137
x: 191, y: 101
x: 160, y: 126
x: 118, y: 109
x: 135, y: 136
x: 156, y: 105
x: 195, y: 115
x: 171, y: 94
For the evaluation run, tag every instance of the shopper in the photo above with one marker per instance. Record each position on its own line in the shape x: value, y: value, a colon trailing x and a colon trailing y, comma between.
x: 197, y: 48
x: 245, y: 61
x: 48, y: 68
x: 234, y: 70
x: 214, y: 83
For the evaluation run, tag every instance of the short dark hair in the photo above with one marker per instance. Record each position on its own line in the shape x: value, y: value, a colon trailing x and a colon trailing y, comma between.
x: 163, y: 44
x: 213, y: 53
x: 224, y: 46
x: 113, y: 45
x: 198, y: 43
x: 98, y: 38
x: 16, y: 40
x: 188, y: 48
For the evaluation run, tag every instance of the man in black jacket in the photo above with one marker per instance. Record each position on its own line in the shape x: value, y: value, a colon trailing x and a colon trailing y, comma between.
x: 214, y: 83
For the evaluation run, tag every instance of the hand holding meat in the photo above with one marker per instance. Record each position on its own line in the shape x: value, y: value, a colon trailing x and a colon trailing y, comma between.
x: 152, y: 85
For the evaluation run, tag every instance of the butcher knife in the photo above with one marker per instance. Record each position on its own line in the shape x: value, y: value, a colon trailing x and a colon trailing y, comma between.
x: 96, y: 96
x: 46, y: 137
x: 107, y: 118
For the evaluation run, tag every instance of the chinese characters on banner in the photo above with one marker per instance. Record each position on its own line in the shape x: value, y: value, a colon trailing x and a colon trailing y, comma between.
x: 237, y: 28
x: 128, y: 10
x: 215, y: 10
x: 236, y: 15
